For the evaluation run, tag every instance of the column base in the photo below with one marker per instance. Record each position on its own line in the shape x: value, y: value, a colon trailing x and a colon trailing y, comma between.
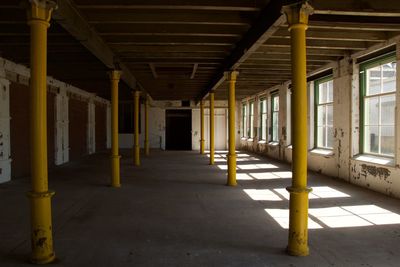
x: 298, y: 221
x: 231, y: 170
x: 41, y: 227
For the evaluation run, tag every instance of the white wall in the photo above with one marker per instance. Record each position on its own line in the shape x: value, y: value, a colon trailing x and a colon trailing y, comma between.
x: 10, y: 71
x: 157, y: 125
x: 156, y: 129
x: 220, y: 131
x: 5, y: 150
x: 343, y: 161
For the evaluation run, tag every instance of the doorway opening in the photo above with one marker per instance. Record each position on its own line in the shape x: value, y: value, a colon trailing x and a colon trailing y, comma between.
x: 178, y: 130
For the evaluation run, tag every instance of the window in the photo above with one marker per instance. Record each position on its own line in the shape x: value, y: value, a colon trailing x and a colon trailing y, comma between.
x: 377, y: 106
x: 251, y: 122
x: 275, y: 117
x: 263, y: 119
x: 323, y: 113
x: 244, y: 120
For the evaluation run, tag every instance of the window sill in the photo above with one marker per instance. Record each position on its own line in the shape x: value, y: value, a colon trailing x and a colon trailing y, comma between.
x: 322, y: 152
x: 262, y: 142
x: 250, y: 140
x: 273, y: 143
x: 243, y: 138
x: 289, y: 147
x: 375, y: 159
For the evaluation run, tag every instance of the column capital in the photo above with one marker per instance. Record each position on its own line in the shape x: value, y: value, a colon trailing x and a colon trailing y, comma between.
x: 231, y: 75
x: 40, y: 10
x: 297, y: 13
x: 114, y: 75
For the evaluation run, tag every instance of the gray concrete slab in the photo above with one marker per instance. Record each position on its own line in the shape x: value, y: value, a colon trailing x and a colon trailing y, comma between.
x: 175, y: 210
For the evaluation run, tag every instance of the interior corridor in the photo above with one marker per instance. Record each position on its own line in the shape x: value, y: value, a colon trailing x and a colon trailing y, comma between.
x: 175, y: 210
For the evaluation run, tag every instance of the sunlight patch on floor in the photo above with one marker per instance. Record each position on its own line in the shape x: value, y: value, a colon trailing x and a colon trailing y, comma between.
x: 262, y: 194
x: 281, y: 216
x: 243, y: 176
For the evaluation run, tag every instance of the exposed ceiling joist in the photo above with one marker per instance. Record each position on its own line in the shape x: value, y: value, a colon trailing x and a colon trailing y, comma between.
x: 153, y: 70
x: 70, y: 19
x: 194, y: 70
x: 269, y: 20
x: 387, y: 8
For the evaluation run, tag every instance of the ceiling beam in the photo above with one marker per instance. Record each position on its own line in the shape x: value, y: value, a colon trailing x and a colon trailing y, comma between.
x: 354, y: 26
x: 269, y: 20
x: 331, y: 34
x: 387, y: 8
x: 194, y: 70
x: 153, y: 70
x: 71, y: 20
x: 166, y: 17
x: 169, y: 6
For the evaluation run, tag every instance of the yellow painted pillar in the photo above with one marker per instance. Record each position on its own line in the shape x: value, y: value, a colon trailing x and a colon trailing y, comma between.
x: 146, y: 127
x: 212, y: 149
x: 297, y: 18
x: 39, y: 14
x: 136, y: 145
x: 231, y: 77
x: 115, y: 75
x: 202, y: 141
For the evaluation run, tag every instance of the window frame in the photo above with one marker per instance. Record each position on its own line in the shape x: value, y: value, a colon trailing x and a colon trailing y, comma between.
x: 244, y: 120
x: 273, y: 96
x: 317, y: 82
x: 363, y: 67
x: 261, y: 124
x: 250, y: 130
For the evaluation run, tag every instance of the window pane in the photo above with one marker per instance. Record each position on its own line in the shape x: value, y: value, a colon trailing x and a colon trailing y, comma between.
x: 374, y: 81
x: 387, y: 109
x: 264, y: 126
x: 276, y: 103
x: 371, y: 136
x: 387, y: 140
x: 330, y: 91
x: 371, y: 111
x: 321, y: 115
x: 389, y: 77
x: 329, y: 111
x: 322, y: 93
x: 321, y: 136
x: 275, y: 126
x: 264, y: 106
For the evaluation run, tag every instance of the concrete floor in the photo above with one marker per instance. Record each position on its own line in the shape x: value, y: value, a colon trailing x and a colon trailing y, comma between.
x: 176, y: 211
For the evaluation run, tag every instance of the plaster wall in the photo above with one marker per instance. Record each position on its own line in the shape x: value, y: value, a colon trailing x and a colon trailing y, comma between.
x: 344, y: 161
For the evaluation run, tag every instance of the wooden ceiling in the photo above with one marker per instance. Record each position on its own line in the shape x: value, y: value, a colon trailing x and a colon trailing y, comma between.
x: 179, y: 50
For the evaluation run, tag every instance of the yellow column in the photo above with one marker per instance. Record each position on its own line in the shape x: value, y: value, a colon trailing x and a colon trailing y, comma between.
x: 39, y: 14
x: 146, y: 127
x: 115, y: 75
x: 231, y: 77
x: 202, y: 127
x: 297, y: 17
x: 212, y: 150
x: 136, y: 145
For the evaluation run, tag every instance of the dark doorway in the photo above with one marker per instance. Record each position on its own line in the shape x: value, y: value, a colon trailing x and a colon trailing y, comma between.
x: 178, y: 129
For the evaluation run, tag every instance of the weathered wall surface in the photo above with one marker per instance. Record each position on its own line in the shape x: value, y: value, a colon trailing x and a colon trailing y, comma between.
x: 67, y: 122
x: 344, y: 160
